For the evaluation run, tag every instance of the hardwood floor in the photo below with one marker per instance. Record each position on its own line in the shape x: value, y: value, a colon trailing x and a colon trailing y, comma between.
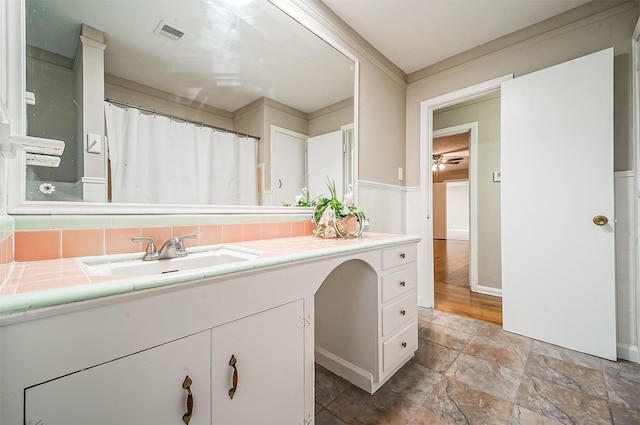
x: 452, y: 292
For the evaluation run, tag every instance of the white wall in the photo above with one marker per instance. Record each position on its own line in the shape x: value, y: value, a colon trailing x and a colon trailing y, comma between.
x: 458, y: 210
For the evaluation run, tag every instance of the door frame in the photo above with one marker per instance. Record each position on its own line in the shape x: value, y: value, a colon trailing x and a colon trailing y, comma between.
x: 472, y: 128
x: 425, y: 207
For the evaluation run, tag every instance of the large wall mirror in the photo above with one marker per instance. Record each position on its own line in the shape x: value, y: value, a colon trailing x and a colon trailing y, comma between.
x: 176, y: 102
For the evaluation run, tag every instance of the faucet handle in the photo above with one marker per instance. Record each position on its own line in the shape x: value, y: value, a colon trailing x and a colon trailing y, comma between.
x: 151, y: 252
x: 181, y: 248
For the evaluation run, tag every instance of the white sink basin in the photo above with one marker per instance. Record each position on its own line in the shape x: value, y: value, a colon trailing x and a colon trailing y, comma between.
x: 191, y: 261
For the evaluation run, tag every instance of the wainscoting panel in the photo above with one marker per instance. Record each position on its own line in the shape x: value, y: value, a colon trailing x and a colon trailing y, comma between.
x: 384, y: 205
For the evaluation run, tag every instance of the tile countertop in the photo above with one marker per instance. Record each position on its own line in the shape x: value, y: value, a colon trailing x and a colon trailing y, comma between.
x: 38, y: 284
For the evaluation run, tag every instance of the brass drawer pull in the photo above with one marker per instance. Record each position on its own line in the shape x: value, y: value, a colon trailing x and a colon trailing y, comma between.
x: 403, y: 312
x: 187, y: 386
x: 232, y: 363
x: 403, y: 283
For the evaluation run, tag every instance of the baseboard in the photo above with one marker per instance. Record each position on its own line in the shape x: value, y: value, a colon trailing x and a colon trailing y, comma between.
x: 352, y: 373
x: 488, y: 290
x: 629, y: 352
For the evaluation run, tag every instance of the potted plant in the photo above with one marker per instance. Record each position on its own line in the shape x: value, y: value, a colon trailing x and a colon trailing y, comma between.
x: 335, y: 219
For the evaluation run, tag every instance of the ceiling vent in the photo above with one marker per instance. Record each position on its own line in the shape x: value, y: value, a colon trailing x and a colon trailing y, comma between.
x: 168, y: 31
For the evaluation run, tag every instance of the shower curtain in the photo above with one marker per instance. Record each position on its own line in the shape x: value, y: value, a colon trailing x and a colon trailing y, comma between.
x: 157, y: 160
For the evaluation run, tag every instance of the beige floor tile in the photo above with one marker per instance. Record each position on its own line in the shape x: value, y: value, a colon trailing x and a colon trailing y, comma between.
x: 489, y: 377
x: 357, y: 407
x: 427, y: 417
x: 562, y: 404
x: 414, y: 382
x: 462, y: 404
x: 328, y: 386
x: 497, y: 352
x: 450, y: 338
x: 569, y: 375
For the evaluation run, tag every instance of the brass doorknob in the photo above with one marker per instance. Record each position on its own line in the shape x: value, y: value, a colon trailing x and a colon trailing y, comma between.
x: 600, y: 220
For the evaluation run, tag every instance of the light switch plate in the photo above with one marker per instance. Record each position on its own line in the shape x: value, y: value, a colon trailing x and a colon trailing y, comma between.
x: 93, y: 143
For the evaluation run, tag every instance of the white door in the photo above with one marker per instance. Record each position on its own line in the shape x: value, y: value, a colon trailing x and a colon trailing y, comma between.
x: 287, y: 165
x: 558, y: 266
x: 325, y: 162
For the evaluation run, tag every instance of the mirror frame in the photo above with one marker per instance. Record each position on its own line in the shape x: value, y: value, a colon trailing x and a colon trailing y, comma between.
x: 16, y: 78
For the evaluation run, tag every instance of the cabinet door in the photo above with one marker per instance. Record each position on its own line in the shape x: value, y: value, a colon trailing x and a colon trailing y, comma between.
x: 143, y: 388
x: 269, y: 352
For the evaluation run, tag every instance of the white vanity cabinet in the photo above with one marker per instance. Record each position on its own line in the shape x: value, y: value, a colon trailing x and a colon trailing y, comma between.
x: 123, y: 359
x: 269, y: 351
x: 143, y: 388
x: 366, y: 321
x: 149, y: 387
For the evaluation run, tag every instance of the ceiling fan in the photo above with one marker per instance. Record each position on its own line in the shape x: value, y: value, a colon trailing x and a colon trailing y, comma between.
x: 440, y: 161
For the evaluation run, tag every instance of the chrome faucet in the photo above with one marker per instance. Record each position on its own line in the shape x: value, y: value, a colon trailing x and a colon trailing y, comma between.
x: 172, y: 248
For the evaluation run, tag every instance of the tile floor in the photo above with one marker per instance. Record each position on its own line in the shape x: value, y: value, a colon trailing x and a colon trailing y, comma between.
x: 471, y: 372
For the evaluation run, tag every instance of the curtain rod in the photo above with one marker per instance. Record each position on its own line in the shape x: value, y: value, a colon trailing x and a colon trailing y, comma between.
x: 199, y: 123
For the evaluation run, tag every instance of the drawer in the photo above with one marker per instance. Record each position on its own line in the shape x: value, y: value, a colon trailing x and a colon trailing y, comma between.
x: 399, y: 313
x: 394, y: 257
x: 399, y: 346
x: 398, y: 283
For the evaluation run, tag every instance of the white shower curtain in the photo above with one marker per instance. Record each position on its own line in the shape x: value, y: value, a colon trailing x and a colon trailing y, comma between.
x: 157, y: 160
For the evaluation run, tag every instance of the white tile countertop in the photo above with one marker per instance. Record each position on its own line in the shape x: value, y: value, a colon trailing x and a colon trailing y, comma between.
x: 38, y: 284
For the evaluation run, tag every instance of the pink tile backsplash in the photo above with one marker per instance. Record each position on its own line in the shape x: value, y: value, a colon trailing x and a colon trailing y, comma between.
x: 117, y: 240
x: 79, y: 242
x: 35, y: 245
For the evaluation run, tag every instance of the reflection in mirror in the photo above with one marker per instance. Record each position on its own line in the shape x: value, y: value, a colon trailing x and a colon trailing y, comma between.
x: 194, y: 89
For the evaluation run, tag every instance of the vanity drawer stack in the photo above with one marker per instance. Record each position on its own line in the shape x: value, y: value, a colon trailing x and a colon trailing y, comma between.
x: 399, y: 306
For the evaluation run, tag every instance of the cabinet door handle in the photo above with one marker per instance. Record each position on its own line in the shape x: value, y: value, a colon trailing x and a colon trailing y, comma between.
x: 187, y: 386
x: 403, y: 283
x: 232, y: 363
x: 402, y: 255
x: 404, y: 345
x: 403, y: 312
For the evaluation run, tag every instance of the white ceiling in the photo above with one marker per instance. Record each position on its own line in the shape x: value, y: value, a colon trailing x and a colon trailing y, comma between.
x: 414, y: 34
x: 233, y: 52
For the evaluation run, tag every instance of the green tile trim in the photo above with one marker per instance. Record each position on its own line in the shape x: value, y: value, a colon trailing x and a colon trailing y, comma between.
x: 14, y: 303
x: 79, y: 293
x: 7, y: 224
x: 46, y: 222
x: 156, y: 281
